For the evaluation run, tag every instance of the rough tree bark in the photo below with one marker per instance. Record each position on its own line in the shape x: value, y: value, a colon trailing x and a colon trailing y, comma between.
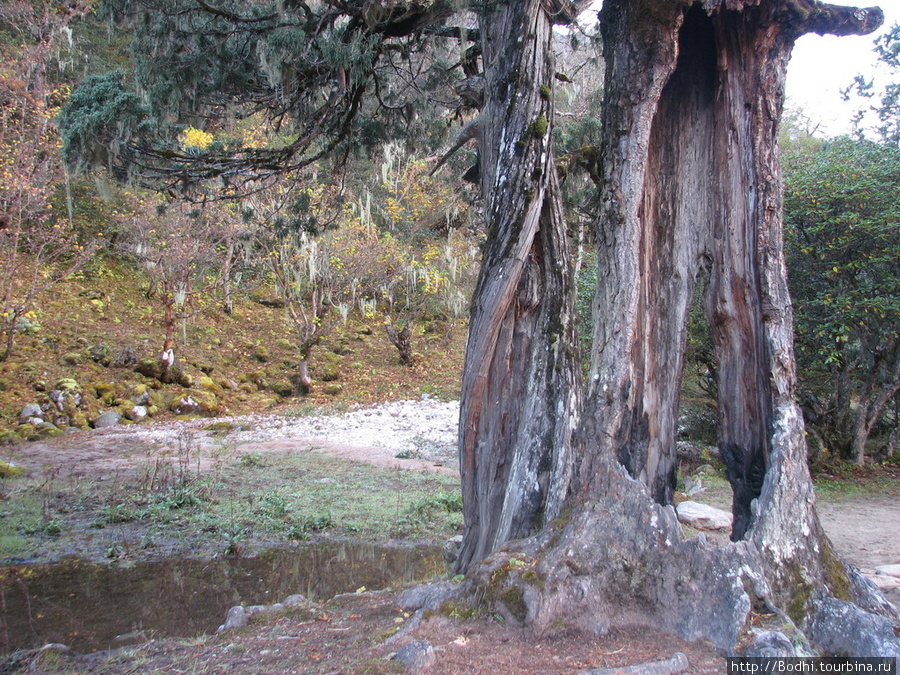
x: 521, y: 384
x: 691, y: 185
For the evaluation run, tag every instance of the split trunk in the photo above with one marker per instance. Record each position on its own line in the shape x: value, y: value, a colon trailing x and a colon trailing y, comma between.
x: 690, y: 192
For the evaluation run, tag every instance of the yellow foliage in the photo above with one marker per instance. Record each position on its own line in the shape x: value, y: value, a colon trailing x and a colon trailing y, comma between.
x: 196, y: 138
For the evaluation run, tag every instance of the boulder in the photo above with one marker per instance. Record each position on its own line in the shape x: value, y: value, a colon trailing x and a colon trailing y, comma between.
x: 99, y: 353
x: 769, y: 644
x: 236, y: 618
x: 126, y: 358
x: 283, y: 389
x: 31, y: 411
x: 136, y: 413
x: 416, y: 655
x: 71, y: 359
x: 451, y: 548
x: 197, y: 403
x: 703, y: 516
x: 110, y: 418
x: 333, y: 389
x: 888, y: 570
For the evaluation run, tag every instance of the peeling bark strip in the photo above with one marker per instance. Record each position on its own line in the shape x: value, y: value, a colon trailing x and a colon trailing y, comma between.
x: 691, y: 183
x: 520, y: 388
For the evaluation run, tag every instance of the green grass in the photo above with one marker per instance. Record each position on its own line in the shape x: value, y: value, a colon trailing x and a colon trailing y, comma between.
x: 268, y: 500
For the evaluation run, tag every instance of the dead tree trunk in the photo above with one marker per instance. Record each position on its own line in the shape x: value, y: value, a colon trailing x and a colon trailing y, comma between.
x: 691, y: 185
x: 520, y: 386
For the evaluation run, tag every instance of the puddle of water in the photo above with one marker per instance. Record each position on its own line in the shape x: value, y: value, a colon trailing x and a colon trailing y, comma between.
x: 86, y: 606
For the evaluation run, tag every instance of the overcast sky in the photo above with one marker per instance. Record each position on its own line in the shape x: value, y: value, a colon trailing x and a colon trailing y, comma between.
x: 824, y: 65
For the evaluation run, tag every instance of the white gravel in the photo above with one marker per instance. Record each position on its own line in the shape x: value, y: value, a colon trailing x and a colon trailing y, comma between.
x: 425, y: 429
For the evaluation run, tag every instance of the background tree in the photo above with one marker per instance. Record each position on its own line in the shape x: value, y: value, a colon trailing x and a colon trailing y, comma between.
x: 886, y: 97
x: 843, y: 251
x: 175, y: 244
x: 38, y: 247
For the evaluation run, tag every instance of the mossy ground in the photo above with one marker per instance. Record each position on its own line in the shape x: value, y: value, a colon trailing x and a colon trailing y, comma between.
x: 250, y: 356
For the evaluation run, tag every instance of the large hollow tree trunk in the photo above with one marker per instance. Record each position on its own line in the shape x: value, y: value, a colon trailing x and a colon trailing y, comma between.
x: 521, y: 383
x: 691, y: 184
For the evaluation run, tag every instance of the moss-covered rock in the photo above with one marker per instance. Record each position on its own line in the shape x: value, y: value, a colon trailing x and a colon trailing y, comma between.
x: 333, y: 389
x: 71, y: 359
x: 206, y: 383
x: 329, y: 367
x: 261, y: 353
x: 150, y: 367
x: 103, y: 388
x: 199, y: 402
x: 283, y: 344
x: 256, y: 377
x: 67, y: 385
x: 283, y: 389
x: 80, y: 421
x: 8, y: 470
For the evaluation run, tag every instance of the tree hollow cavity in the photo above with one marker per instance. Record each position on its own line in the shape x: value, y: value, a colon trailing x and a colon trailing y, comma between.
x: 698, y: 214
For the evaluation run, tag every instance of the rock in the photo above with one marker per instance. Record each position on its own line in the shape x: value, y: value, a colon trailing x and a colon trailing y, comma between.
x: 770, y: 643
x: 197, y: 403
x: 842, y: 629
x: 9, y: 470
x: 68, y: 385
x: 186, y: 405
x: 149, y: 367
x: 46, y: 430
x: 71, y: 359
x: 283, y: 389
x: 103, y: 389
x: 451, y: 548
x: 30, y: 411
x: 416, y: 655
x: 236, y: 618
x: 126, y: 358
x: 703, y: 516
x: 294, y: 600
x: 110, y: 418
x: 330, y: 368
x: 677, y: 663
x: 65, y: 401
x: 99, y: 353
x: 888, y: 570
x: 137, y: 413
x: 208, y: 384
x: 140, y: 395
x: 261, y: 353
x: 284, y: 344
x: 333, y: 389
x: 884, y: 582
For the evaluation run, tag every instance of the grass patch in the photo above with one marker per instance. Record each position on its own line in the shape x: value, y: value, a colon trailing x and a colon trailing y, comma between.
x: 237, y: 506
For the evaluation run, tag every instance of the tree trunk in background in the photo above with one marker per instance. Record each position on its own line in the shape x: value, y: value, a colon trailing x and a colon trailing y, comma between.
x: 691, y: 185
x: 520, y: 386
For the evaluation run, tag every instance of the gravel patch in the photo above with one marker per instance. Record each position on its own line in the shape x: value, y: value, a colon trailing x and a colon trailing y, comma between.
x: 424, y: 429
